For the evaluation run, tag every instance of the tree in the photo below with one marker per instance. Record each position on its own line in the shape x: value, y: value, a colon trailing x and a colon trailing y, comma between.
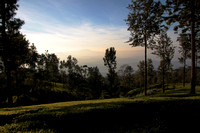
x: 165, y: 50
x: 144, y: 23
x: 33, y: 57
x: 51, y: 66
x: 110, y: 62
x: 184, y: 50
x: 71, y: 64
x: 63, y: 71
x: 127, y: 79
x: 13, y: 44
x: 76, y: 81
x: 141, y: 71
x: 185, y: 15
x: 95, y: 82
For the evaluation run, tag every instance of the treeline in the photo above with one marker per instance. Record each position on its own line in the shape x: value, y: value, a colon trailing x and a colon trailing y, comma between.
x: 27, y: 77
x: 48, y: 79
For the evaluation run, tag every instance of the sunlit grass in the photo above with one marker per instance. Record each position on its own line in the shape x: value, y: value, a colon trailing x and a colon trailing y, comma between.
x: 178, y: 93
x: 38, y: 118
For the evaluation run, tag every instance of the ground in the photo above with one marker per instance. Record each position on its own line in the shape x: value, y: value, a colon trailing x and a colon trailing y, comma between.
x: 174, y: 111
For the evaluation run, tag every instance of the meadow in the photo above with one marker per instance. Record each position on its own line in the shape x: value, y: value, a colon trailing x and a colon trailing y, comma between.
x: 174, y: 111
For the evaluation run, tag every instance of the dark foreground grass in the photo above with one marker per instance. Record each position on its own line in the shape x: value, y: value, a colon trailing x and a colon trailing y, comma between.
x: 175, y: 111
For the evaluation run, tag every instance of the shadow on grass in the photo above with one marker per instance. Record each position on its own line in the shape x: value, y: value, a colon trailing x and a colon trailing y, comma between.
x: 119, y: 117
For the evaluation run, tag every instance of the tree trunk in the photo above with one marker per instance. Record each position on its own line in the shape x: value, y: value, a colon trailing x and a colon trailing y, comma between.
x: 9, y: 87
x: 193, y: 77
x: 184, y: 71
x: 145, y: 69
x: 163, y: 80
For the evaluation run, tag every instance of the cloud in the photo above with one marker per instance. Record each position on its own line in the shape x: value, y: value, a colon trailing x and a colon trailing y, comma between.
x: 60, y: 38
x: 57, y: 33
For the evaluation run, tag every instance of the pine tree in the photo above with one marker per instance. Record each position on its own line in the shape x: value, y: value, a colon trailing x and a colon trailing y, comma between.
x: 144, y: 23
x: 14, y: 46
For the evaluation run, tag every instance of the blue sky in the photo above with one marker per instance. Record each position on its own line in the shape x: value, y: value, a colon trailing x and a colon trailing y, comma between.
x: 68, y: 25
x: 73, y: 12
x: 81, y: 28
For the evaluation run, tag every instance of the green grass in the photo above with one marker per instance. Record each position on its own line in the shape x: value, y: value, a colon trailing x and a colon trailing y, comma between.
x: 174, y: 111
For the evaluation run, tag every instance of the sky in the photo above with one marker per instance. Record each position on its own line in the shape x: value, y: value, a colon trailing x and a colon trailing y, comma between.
x: 81, y: 28
x: 71, y: 25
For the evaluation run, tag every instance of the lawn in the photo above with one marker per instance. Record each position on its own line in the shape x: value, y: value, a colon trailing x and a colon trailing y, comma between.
x: 174, y: 111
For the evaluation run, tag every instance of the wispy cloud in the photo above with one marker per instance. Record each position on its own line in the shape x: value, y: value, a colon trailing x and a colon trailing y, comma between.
x: 59, y: 37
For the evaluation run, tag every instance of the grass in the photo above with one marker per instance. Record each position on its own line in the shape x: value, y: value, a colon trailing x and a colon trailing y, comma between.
x: 174, y: 111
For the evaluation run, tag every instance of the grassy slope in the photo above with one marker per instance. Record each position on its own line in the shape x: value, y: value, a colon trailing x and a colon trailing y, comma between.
x: 175, y: 111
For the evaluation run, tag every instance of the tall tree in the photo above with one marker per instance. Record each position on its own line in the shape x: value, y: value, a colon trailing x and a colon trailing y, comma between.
x: 144, y: 23
x: 13, y: 44
x: 185, y: 15
x: 165, y: 50
x: 184, y: 50
x: 110, y: 61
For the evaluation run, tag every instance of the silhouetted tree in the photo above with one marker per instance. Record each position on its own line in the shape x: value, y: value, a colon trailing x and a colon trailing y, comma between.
x: 95, y: 82
x: 144, y: 23
x: 185, y: 15
x: 63, y: 71
x: 127, y: 79
x: 165, y: 50
x: 14, y: 46
x: 150, y: 71
x: 71, y: 64
x: 141, y: 71
x: 184, y: 50
x: 110, y: 61
x: 33, y: 57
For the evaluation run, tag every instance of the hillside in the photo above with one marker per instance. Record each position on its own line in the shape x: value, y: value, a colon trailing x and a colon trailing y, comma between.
x: 175, y: 111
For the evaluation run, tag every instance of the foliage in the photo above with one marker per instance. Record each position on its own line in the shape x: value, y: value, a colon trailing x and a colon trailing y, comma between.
x: 110, y: 61
x: 14, y: 46
x: 127, y: 79
x: 141, y: 67
x: 150, y: 72
x: 144, y: 23
x: 165, y: 50
x: 95, y: 82
x: 184, y: 50
x: 185, y: 15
